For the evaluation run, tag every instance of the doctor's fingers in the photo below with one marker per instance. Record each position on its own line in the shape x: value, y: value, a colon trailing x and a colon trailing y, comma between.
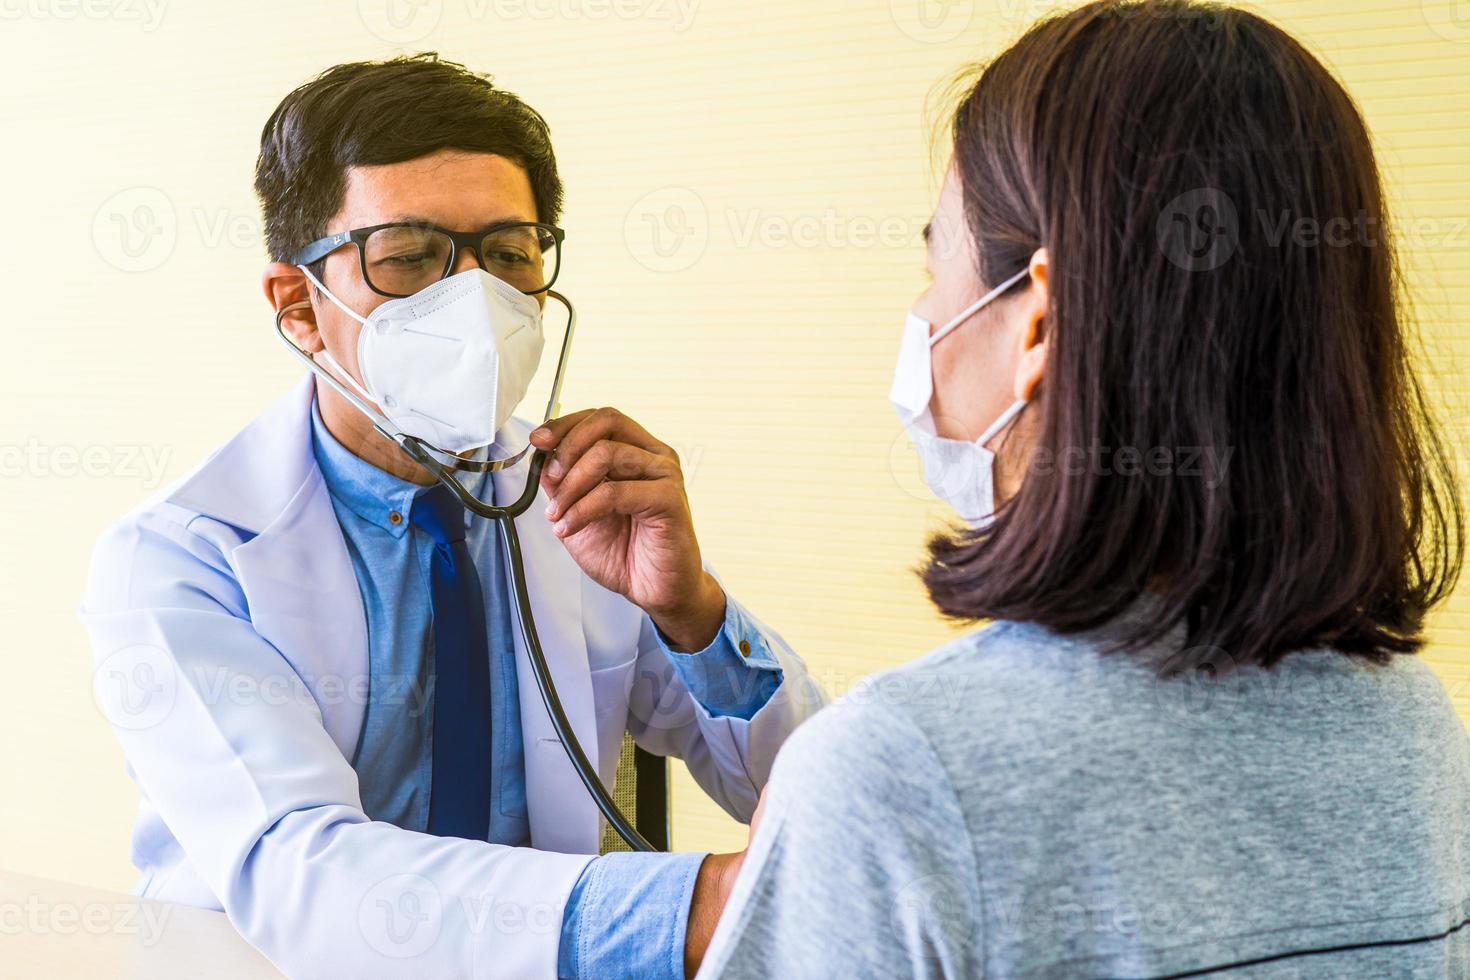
x: 576, y: 434
x: 610, y: 461
x: 631, y: 498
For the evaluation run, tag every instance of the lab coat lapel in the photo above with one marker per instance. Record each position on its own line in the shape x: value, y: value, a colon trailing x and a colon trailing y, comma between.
x: 563, y: 817
x: 296, y: 574
x: 304, y: 599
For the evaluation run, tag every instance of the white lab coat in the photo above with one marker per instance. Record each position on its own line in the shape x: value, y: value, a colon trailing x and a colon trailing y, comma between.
x: 232, y: 661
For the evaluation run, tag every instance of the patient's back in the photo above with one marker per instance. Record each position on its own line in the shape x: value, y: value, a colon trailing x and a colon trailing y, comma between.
x: 1024, y: 804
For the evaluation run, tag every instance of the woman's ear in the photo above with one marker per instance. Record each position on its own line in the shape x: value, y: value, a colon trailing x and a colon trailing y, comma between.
x: 287, y: 288
x: 1031, y: 365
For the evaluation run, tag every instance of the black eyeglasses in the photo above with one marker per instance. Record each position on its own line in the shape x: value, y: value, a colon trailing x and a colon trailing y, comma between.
x: 402, y: 257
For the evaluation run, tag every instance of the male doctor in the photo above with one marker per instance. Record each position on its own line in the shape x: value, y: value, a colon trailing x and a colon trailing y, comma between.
x: 307, y: 648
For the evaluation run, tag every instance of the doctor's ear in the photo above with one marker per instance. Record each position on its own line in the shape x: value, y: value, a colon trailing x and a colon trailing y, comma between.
x: 1034, y: 336
x: 289, y: 292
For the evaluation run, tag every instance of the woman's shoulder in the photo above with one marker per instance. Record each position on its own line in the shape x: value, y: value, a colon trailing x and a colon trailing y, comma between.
x: 916, y: 711
x: 992, y: 667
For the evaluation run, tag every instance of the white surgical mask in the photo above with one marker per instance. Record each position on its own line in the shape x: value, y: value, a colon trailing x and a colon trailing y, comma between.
x: 450, y: 363
x: 960, y: 473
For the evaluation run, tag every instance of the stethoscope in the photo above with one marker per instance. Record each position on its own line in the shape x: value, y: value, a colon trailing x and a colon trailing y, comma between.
x: 429, y: 457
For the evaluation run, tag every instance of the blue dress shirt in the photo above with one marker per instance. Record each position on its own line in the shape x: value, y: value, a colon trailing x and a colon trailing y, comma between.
x: 391, y: 560
x: 628, y: 912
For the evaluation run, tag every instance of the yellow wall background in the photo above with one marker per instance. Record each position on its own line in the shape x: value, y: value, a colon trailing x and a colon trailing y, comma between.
x: 747, y: 180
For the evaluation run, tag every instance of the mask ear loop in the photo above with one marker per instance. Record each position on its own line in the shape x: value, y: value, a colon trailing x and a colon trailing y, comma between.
x: 974, y: 307
x: 380, y: 422
x: 999, y: 424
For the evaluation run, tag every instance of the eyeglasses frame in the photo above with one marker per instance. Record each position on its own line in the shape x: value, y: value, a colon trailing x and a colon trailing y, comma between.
x: 322, y: 247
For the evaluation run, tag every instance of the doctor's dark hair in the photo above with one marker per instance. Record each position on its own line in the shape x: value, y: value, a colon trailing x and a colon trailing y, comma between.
x: 367, y: 113
x: 1174, y: 158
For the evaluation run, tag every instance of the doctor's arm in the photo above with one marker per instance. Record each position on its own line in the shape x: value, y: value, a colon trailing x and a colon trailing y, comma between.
x: 724, y: 710
x: 228, y: 744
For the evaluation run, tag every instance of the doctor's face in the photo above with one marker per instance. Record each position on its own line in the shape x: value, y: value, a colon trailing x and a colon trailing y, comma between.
x: 453, y: 189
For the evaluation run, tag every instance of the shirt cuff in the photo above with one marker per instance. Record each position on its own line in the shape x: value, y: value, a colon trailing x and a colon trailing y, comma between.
x: 736, y: 674
x: 627, y: 916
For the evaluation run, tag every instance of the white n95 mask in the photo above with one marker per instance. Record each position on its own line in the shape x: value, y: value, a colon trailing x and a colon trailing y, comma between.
x: 960, y: 473
x: 450, y: 363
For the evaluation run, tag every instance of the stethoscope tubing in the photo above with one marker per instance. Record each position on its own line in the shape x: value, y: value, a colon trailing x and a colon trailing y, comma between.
x: 504, y: 517
x: 505, y: 521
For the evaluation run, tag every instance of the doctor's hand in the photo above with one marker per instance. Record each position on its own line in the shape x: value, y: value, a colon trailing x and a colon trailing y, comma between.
x: 619, y: 507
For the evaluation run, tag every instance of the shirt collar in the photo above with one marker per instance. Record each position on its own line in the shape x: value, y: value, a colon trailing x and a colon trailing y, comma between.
x: 373, y: 494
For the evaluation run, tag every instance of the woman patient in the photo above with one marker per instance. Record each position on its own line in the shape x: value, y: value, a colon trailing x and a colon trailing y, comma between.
x: 1163, y: 373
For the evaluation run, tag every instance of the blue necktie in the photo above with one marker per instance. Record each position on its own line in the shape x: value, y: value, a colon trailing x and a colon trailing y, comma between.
x: 459, y: 795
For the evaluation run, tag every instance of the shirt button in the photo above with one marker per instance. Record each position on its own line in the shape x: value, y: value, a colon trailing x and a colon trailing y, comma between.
x: 395, y: 518
x: 745, y: 648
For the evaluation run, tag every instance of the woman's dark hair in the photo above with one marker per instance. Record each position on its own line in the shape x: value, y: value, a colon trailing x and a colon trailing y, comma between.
x: 1221, y: 282
x: 366, y: 113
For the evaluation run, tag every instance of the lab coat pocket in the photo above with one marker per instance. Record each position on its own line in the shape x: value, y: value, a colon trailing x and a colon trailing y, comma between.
x: 610, y: 686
